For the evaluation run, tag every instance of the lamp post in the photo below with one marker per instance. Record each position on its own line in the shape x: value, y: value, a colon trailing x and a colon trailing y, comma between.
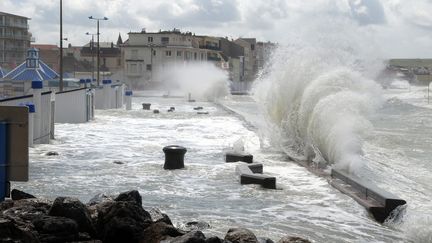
x: 98, y: 47
x: 61, y: 47
x: 92, y: 52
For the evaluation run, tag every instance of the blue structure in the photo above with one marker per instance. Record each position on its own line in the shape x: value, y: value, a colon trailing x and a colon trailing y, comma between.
x: 3, y: 157
x: 32, y: 69
x: 1, y: 73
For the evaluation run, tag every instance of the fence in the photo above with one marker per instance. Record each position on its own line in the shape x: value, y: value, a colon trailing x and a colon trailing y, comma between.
x: 74, y: 106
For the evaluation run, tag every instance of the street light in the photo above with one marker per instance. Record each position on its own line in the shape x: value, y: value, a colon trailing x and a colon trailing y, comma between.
x: 92, y: 52
x: 61, y: 47
x: 98, y: 48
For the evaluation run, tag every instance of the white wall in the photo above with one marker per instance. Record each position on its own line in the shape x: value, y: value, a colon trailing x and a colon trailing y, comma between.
x: 43, y: 135
x: 72, y: 106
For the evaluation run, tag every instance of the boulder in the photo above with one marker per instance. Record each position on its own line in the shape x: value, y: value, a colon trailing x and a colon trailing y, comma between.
x: 6, y: 204
x: 12, y: 232
x: 264, y: 240
x: 293, y: 239
x: 215, y: 239
x: 73, y: 209
x: 160, y: 231
x: 130, y: 196
x: 195, y: 225
x: 241, y: 235
x: 158, y: 216
x: 191, y: 237
x: 52, y: 153
x: 27, y: 210
x: 18, y: 195
x: 122, y: 221
x: 56, y: 229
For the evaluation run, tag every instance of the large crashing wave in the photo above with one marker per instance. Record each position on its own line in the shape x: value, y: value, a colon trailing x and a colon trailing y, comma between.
x: 318, y: 101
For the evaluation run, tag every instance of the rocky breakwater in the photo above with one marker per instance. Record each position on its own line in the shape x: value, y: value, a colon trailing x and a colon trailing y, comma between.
x: 104, y: 219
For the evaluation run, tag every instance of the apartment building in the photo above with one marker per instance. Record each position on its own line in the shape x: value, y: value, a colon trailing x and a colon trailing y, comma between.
x: 14, y: 39
x: 146, y: 55
x: 250, y: 58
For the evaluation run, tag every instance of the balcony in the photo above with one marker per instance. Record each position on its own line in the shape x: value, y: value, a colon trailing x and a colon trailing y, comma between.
x: 212, y: 58
x: 13, y: 25
x: 15, y: 37
x: 209, y: 47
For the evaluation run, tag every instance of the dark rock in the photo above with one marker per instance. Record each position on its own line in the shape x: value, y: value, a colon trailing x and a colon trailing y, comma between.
x: 293, y: 239
x: 160, y: 231
x: 118, y: 162
x: 202, y: 112
x: 51, y: 153
x: 27, y: 210
x: 191, y: 237
x: 130, y: 196
x: 215, y: 239
x: 56, y: 229
x: 18, y: 195
x: 12, y: 232
x: 73, y: 209
x: 198, y: 108
x: 264, y: 240
x: 195, y: 225
x: 240, y: 235
x: 156, y: 111
x: 122, y: 221
x: 172, y: 108
x: 158, y: 216
x: 6, y: 204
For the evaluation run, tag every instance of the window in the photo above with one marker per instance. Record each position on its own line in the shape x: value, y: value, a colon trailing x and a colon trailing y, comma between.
x: 133, y: 68
x: 118, y: 61
x: 252, y: 47
x: 150, y: 39
x: 202, y: 56
x: 179, y: 53
x: 164, y: 40
x: 154, y: 52
x: 168, y: 53
x: 134, y: 54
x: 195, y: 56
x: 149, y: 67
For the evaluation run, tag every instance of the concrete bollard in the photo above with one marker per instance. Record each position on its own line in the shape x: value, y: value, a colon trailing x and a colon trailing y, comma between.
x: 174, y: 157
x: 37, y: 87
x: 235, y: 156
x: 106, y: 93
x: 252, y: 174
x: 146, y: 106
x: 128, y: 97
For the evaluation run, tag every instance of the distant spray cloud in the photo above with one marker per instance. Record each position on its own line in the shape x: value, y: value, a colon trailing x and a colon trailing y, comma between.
x: 367, y: 11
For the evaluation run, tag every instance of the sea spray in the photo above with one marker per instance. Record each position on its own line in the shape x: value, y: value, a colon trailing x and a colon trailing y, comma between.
x: 318, y: 101
x: 203, y: 81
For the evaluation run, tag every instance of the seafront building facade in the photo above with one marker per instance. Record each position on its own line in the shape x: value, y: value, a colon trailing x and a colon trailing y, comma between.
x: 147, y: 54
x: 14, y: 39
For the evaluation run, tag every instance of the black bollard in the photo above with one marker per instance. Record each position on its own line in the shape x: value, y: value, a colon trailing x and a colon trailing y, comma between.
x: 146, y: 106
x: 156, y: 111
x: 172, y: 108
x: 174, y: 157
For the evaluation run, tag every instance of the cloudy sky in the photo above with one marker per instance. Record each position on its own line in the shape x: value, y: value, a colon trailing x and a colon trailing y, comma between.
x: 395, y: 28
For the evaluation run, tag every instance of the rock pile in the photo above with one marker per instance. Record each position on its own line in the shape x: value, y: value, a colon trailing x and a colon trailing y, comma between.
x: 103, y: 219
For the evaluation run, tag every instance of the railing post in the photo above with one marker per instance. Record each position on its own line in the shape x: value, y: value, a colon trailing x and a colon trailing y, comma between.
x: 3, y: 160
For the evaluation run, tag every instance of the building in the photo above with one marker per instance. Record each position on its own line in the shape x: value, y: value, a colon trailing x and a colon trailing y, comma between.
x: 14, y: 39
x: 50, y: 54
x: 250, y: 60
x: 147, y: 54
x: 110, y: 56
x: 264, y: 50
x: 418, y: 71
x: 1, y: 73
x: 18, y: 81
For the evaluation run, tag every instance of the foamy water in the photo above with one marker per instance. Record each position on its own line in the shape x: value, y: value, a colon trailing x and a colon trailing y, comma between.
x: 208, y: 189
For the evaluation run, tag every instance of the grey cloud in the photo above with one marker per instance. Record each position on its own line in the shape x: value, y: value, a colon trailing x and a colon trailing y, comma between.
x: 210, y: 13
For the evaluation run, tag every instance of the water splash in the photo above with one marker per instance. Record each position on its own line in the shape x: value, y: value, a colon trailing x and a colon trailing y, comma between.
x: 318, y: 98
x: 204, y: 81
